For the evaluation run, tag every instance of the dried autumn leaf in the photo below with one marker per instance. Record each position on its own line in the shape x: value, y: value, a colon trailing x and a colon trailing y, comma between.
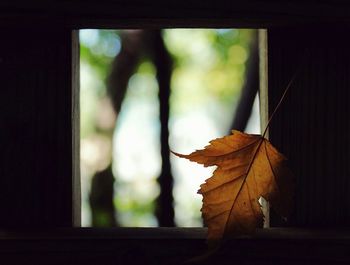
x: 248, y: 167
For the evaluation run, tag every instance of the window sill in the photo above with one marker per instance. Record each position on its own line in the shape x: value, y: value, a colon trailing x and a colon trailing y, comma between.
x: 170, y: 246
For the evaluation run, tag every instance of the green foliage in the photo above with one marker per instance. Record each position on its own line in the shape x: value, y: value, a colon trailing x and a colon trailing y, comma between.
x: 208, y: 74
x: 98, y: 48
x: 211, y: 67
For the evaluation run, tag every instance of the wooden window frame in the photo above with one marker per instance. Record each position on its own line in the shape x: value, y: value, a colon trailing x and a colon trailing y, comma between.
x: 263, y: 94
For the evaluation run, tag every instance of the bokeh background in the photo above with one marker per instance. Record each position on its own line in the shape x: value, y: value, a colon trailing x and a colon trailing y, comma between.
x: 209, y: 70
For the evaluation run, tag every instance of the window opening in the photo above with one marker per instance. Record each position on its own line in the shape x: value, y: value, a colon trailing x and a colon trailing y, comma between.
x: 121, y: 124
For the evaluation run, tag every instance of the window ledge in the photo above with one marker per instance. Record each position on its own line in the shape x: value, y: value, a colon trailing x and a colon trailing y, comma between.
x: 171, y: 246
x: 150, y: 233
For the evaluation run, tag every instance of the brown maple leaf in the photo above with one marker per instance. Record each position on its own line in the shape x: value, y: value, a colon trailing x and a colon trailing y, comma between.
x: 248, y: 167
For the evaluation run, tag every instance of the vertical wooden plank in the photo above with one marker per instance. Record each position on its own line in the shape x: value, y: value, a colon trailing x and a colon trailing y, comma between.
x: 263, y: 100
x: 35, y: 127
x: 263, y: 78
x: 312, y: 126
x: 76, y: 129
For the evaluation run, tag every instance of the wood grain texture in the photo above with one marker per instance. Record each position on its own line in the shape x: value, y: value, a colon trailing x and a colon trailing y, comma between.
x: 35, y: 128
x: 312, y: 126
x: 263, y: 102
x: 180, y: 13
x: 75, y: 107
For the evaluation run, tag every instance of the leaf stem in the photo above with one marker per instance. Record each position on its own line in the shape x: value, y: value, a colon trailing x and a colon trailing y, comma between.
x: 260, y: 143
x: 291, y: 81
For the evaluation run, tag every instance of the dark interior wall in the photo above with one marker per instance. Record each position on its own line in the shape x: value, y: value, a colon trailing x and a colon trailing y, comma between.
x: 35, y: 127
x: 172, y: 13
x: 312, y: 126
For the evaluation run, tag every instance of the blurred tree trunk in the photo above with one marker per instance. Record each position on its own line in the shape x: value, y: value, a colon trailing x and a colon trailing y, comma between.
x: 102, y: 185
x: 250, y: 88
x: 137, y: 44
x: 163, y: 63
x: 101, y: 199
x: 124, y: 65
